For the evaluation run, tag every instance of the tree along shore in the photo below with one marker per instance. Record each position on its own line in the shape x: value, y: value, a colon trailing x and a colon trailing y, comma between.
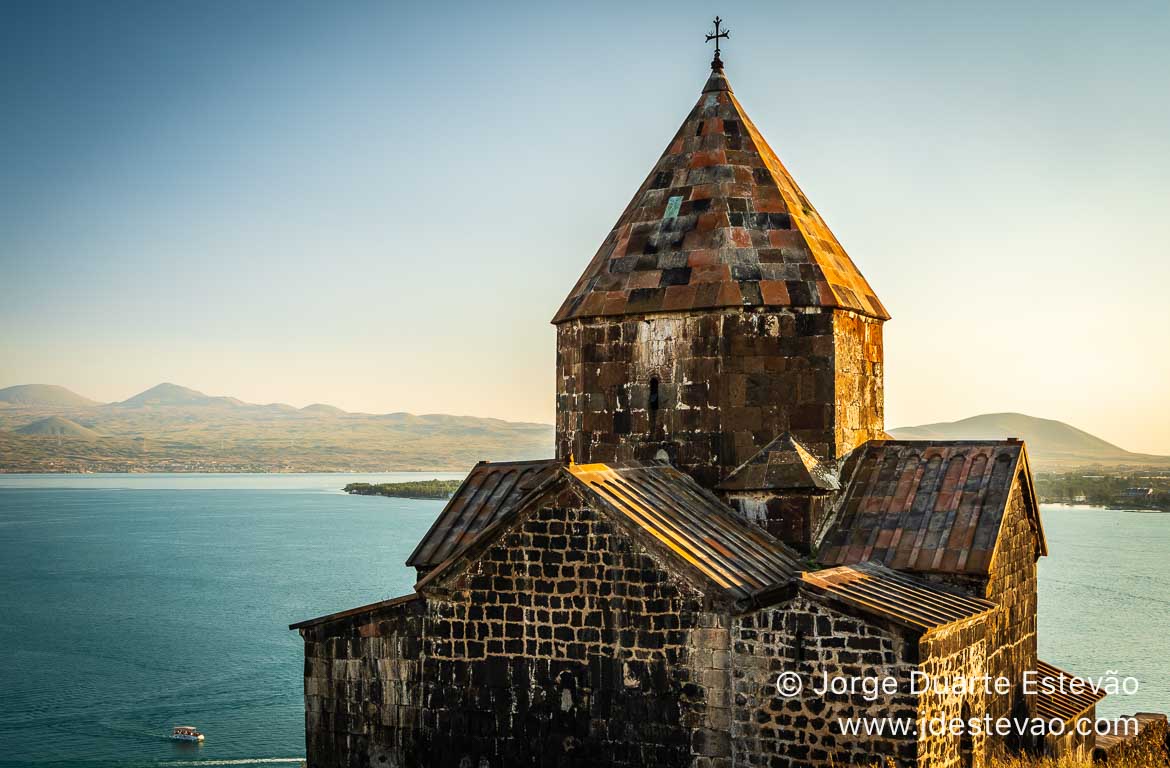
x: 415, y: 489
x: 1134, y: 490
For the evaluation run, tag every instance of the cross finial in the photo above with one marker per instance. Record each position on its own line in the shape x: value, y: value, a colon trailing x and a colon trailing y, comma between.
x: 717, y: 63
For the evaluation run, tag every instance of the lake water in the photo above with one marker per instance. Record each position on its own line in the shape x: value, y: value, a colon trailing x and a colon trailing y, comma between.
x: 132, y: 603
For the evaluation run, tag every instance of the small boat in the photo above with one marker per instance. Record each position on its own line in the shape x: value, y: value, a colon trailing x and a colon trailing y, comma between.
x: 186, y: 733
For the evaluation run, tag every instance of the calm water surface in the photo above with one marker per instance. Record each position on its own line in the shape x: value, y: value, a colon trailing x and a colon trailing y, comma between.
x: 132, y: 603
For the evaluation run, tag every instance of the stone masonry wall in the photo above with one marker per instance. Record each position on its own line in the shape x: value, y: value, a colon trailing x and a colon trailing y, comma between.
x: 813, y: 639
x: 793, y: 518
x: 568, y: 644
x: 363, y: 689
x: 816, y: 638
x: 945, y: 655
x: 1012, y: 585
x: 728, y: 383
x: 859, y: 389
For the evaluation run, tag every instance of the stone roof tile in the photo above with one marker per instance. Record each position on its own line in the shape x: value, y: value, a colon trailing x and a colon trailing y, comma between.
x: 716, y: 208
x: 923, y: 505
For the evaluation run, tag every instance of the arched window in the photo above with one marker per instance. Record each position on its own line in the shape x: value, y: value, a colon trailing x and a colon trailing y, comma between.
x: 653, y: 393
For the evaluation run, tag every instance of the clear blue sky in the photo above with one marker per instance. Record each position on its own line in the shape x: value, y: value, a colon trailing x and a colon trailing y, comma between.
x: 381, y: 206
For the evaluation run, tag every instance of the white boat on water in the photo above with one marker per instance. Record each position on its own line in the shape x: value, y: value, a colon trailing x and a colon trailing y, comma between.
x: 186, y: 733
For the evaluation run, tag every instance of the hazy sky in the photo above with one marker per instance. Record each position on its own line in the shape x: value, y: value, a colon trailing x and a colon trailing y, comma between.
x: 381, y: 206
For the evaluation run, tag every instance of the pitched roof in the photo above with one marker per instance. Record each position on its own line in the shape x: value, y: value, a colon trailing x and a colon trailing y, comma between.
x: 693, y: 524
x: 781, y: 464
x: 927, y: 505
x: 489, y: 492
x: 719, y: 222
x: 879, y: 591
x: 359, y: 613
x: 666, y: 505
x: 1062, y: 695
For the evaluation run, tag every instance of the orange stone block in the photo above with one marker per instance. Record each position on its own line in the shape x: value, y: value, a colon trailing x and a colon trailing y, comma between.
x: 615, y: 302
x: 716, y: 273
x: 729, y: 294
x: 826, y: 295
x: 775, y: 293
x: 704, y: 159
x: 710, y: 221
x: 774, y: 205
x: 648, y: 279
x: 703, y: 258
x: 679, y: 297
x: 784, y: 238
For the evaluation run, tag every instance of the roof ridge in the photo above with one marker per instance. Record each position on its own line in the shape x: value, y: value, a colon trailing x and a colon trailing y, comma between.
x: 671, y: 507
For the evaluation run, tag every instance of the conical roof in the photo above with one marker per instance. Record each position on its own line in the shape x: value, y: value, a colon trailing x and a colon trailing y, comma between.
x: 719, y: 222
x: 783, y: 464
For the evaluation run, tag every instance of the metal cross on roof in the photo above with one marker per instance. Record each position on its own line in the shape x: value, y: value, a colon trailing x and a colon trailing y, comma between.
x: 717, y: 63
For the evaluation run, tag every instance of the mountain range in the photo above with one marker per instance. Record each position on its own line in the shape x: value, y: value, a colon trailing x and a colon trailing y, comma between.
x: 171, y: 428
x: 47, y: 428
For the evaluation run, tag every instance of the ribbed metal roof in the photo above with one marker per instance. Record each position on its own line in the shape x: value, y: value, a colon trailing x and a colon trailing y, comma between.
x: 878, y: 590
x: 1070, y: 698
x: 926, y: 505
x: 692, y: 523
x: 488, y: 493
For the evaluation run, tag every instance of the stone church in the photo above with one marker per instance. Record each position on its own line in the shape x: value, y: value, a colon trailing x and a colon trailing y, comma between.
x: 724, y: 511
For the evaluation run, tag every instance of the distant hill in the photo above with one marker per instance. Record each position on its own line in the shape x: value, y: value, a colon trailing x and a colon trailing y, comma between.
x: 173, y: 394
x: 174, y: 428
x: 56, y: 426
x: 44, y: 395
x: 320, y: 409
x: 171, y: 428
x: 1050, y: 443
